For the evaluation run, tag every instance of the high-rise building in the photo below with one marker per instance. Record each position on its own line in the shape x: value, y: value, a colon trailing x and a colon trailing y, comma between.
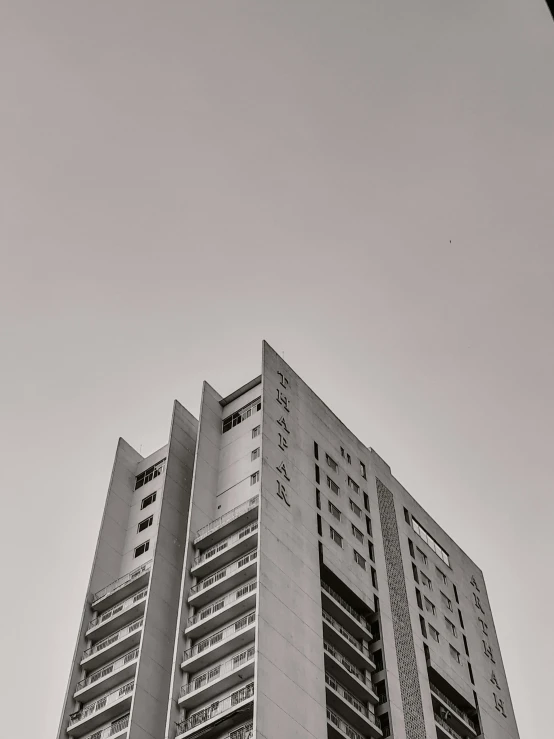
x: 264, y: 575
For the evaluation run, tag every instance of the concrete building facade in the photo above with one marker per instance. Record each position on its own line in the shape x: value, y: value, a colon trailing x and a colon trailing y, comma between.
x: 264, y: 575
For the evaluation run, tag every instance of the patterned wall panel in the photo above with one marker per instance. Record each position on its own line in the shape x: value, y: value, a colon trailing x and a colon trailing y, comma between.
x: 410, y: 689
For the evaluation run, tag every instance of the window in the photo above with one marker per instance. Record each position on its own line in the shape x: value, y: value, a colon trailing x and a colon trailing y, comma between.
x: 348, y: 458
x: 333, y: 485
x: 331, y: 462
x: 428, y: 539
x: 434, y: 633
x: 149, y: 474
x: 355, y: 509
x: 371, y: 551
x: 422, y: 624
x: 426, y: 581
x: 414, y: 573
x: 255, y: 454
x: 317, y: 474
x: 406, y: 515
x: 363, y: 472
x: 359, y: 559
x: 461, y: 619
x: 353, y: 485
x: 430, y: 606
x: 446, y: 601
x: 451, y: 628
x: 342, y: 451
x: 334, y: 511
x: 411, y: 547
x: 465, y: 644
x: 418, y: 598
x: 368, y: 526
x: 455, y: 592
x: 318, y: 499
x: 366, y: 502
x: 374, y: 578
x: 454, y: 654
x: 145, y: 524
x: 316, y: 450
x: 255, y: 432
x: 142, y: 548
x: 255, y: 478
x: 335, y: 536
x: 470, y: 674
x: 242, y: 414
x: 441, y: 576
x: 148, y: 500
x: 422, y: 556
x: 358, y: 534
x: 319, y: 529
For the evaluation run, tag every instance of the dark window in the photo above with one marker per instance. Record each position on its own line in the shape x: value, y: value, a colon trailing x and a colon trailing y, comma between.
x: 355, y: 509
x: 317, y: 474
x: 335, y: 536
x: 332, y: 485
x: 368, y: 525
x: 414, y: 572
x: 470, y: 674
x: 319, y: 529
x: 427, y: 652
x: 359, y: 559
x: 255, y: 478
x: 334, y: 511
x: 374, y: 578
x: 316, y: 450
x: 363, y: 472
x: 411, y: 546
x: 318, y: 498
x: 461, y: 619
x: 371, y: 551
x: 332, y: 464
x: 142, y: 548
x: 366, y: 502
x: 454, y: 654
x: 422, y: 624
x: 455, y: 593
x: 155, y: 471
x: 342, y: 451
x: 418, y: 598
x: 348, y: 458
x: 145, y: 524
x: 255, y: 431
x: 357, y: 534
x: 242, y: 414
x: 465, y: 644
x: 149, y: 499
x: 353, y: 485
x: 255, y: 454
x: 406, y: 515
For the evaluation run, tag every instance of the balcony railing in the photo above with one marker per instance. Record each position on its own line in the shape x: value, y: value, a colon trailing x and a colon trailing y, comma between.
x: 347, y: 695
x: 343, y: 726
x: 224, y: 572
x: 226, y: 543
x: 352, y: 611
x: 101, y: 703
x: 113, y: 638
x: 221, y: 636
x: 243, y: 732
x: 226, y: 518
x: 245, y: 589
x: 110, y: 730
x: 119, y: 608
x: 454, y: 707
x: 345, y: 663
x: 108, y: 669
x: 121, y: 581
x: 449, y: 730
x: 214, y: 673
x: 215, y: 709
x: 347, y: 635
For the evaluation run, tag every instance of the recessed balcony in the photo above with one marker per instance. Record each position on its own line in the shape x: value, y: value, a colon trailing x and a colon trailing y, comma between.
x: 103, y: 680
x: 227, y: 524
x: 338, y: 728
x: 219, y: 645
x: 225, y: 551
x: 220, y: 714
x: 222, y: 611
x: 246, y: 731
x: 341, y: 700
x: 347, y: 644
x: 445, y: 731
x: 114, y: 730
x: 452, y: 714
x: 218, y: 679
x: 108, y: 707
x: 118, y: 616
x: 344, y: 613
x: 223, y: 580
x: 112, y: 646
x: 122, y: 588
x: 351, y: 676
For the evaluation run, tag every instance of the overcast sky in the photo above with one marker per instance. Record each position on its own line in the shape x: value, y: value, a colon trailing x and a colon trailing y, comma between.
x: 368, y: 185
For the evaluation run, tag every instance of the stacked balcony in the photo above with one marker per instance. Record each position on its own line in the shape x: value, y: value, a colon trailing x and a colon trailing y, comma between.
x: 101, y: 710
x: 451, y: 721
x: 114, y: 730
x: 210, y: 721
x: 218, y: 678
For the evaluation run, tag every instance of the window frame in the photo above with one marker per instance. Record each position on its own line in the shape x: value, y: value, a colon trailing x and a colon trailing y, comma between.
x: 256, y: 431
x: 336, y: 537
x: 356, y: 510
x: 331, y: 484
x: 353, y: 485
x: 331, y: 462
x: 153, y: 497
x: 357, y: 534
x: 145, y: 545
x: 333, y: 510
x: 149, y: 520
x: 255, y: 454
x: 361, y: 561
x: 254, y: 478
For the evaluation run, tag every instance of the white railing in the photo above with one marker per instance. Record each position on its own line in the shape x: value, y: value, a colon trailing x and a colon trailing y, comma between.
x: 226, y: 518
x: 110, y: 730
x: 221, y: 636
x: 224, y: 572
x: 101, y: 703
x: 119, y: 608
x: 105, y: 643
x: 215, y: 709
x: 352, y: 611
x: 217, y: 671
x: 242, y: 732
x: 245, y: 589
x: 108, y: 669
x: 347, y: 635
x: 121, y: 581
x: 345, y: 662
x: 226, y: 543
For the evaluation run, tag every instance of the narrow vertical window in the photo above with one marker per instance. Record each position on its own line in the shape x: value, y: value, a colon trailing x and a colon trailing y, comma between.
x: 255, y: 431
x: 255, y: 478
x: 316, y: 450
x: 255, y: 454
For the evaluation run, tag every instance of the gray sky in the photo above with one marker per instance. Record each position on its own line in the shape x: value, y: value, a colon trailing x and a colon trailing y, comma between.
x: 365, y: 184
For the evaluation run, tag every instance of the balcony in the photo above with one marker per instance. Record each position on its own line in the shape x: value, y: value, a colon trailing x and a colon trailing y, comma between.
x: 343, y: 612
x: 458, y: 717
x: 340, y: 699
x: 444, y: 731
x: 114, y: 729
x: 118, y: 616
x: 112, y: 646
x: 351, y: 676
x: 219, y: 645
x: 246, y: 731
x: 339, y: 729
x: 217, y: 679
x: 108, y: 677
x: 215, y: 614
x: 223, y: 580
x: 209, y: 721
x: 100, y: 711
x: 122, y: 588
x: 347, y: 644
x: 227, y: 524
x: 226, y: 550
